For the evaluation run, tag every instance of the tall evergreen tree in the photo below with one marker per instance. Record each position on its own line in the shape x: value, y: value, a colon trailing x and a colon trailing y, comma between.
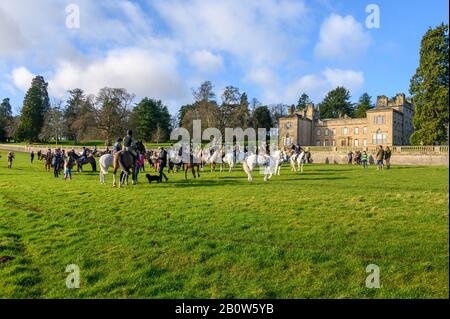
x: 5, y: 119
x: 429, y: 88
x: 243, y: 112
x: 261, y: 118
x: 71, y: 113
x: 230, y: 104
x: 151, y: 120
x: 35, y: 105
x: 336, y: 103
x: 364, y: 104
x: 303, y: 101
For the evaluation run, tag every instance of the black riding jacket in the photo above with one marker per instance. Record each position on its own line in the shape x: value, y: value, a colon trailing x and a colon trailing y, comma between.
x: 128, y: 141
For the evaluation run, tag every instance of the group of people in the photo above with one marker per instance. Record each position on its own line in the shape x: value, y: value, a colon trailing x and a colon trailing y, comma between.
x: 60, y: 159
x: 383, y: 158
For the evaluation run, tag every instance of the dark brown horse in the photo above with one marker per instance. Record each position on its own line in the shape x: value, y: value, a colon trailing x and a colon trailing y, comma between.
x: 47, y: 158
x: 127, y: 164
x: 193, y: 163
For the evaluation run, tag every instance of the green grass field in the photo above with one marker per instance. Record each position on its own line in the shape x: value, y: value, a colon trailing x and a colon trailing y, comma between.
x: 307, y: 235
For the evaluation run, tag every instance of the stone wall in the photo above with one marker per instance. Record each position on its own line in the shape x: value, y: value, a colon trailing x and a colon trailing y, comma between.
x: 396, y: 159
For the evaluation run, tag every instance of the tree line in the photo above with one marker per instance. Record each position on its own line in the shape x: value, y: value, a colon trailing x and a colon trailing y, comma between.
x: 83, y: 117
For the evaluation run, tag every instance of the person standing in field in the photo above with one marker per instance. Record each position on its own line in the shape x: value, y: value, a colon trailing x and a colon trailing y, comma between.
x: 10, y: 159
x: 57, y: 162
x: 162, y: 163
x: 68, y: 165
x: 380, y: 156
x: 350, y: 157
x: 364, y: 159
x: 32, y: 156
x: 387, y: 157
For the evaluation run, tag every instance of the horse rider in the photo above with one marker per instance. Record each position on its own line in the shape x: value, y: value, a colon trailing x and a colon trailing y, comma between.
x: 117, y: 146
x: 83, y: 154
x: 128, y: 145
x: 297, y: 150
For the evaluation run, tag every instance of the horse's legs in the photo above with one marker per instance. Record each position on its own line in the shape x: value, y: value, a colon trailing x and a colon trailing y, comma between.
x: 133, y: 176
x: 193, y: 170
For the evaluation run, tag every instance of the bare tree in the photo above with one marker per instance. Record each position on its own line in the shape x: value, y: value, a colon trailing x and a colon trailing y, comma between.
x: 113, y: 112
x: 53, y: 122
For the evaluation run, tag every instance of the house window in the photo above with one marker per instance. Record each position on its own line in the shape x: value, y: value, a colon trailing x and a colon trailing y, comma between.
x: 288, y: 125
x: 364, y: 130
x: 318, y: 142
x: 334, y: 142
x: 287, y: 140
x: 379, y: 138
x: 344, y: 131
x: 356, y: 142
x: 334, y: 132
x: 326, y: 132
x: 318, y: 132
x: 364, y: 142
x: 356, y: 130
x: 326, y: 143
x: 379, y: 119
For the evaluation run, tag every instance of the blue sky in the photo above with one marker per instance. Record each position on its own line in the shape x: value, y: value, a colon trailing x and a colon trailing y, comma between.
x: 271, y: 49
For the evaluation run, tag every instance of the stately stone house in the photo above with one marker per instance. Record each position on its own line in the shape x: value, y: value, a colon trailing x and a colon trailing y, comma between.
x: 388, y: 123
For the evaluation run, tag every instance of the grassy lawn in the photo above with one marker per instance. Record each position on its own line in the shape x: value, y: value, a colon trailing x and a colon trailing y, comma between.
x: 307, y: 235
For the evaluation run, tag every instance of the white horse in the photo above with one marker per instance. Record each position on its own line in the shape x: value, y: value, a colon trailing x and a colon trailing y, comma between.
x: 106, y: 161
x: 229, y: 160
x: 269, y: 163
x: 214, y: 158
x: 297, y: 162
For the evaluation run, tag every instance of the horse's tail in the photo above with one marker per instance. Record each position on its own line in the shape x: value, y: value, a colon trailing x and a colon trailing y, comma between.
x: 122, y: 166
x: 94, y: 164
x: 246, y: 167
x: 104, y: 166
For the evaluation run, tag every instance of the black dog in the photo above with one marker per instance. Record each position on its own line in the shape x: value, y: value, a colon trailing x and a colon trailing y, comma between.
x: 151, y: 178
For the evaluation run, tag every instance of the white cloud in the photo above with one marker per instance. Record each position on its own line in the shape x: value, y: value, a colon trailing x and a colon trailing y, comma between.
x: 352, y: 80
x: 22, y: 78
x: 145, y: 73
x: 206, y: 62
x: 262, y: 77
x: 318, y: 85
x: 267, y: 81
x: 11, y: 35
x: 342, y: 38
x: 251, y: 30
